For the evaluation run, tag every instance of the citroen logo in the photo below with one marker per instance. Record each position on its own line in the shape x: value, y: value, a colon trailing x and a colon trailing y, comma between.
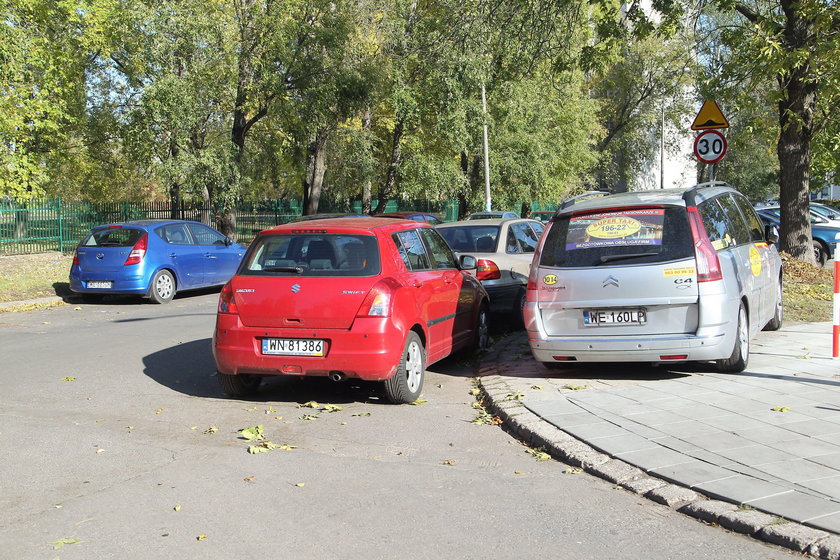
x: 295, y: 288
x: 610, y: 281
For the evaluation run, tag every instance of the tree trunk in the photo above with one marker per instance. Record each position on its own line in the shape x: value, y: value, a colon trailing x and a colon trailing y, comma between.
x: 387, y: 190
x: 525, y: 211
x: 796, y: 119
x: 316, y: 166
x: 367, y: 186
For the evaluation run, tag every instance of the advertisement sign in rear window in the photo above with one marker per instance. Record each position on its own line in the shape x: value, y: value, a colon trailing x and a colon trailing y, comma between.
x: 623, y: 228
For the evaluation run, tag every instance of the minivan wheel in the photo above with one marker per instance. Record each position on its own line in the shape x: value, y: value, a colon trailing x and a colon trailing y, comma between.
x: 162, y: 289
x: 240, y: 385
x: 741, y: 352
x: 775, y: 323
x: 407, y: 383
x: 518, y: 307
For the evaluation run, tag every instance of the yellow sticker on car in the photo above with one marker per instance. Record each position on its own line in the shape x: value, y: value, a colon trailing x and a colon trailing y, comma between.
x: 755, y: 261
x: 613, y: 227
x: 680, y: 271
x: 550, y: 279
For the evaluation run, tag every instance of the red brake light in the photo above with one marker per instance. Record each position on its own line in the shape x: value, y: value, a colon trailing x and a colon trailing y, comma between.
x: 487, y: 270
x: 708, y: 264
x: 138, y: 251
x: 76, y: 257
x: 227, y: 303
x: 377, y: 303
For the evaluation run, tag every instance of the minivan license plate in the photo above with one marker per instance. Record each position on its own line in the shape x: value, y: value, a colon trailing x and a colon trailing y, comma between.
x: 601, y: 317
x: 293, y: 346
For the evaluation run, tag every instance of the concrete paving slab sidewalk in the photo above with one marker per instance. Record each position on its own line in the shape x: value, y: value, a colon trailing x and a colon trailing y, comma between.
x: 767, y: 439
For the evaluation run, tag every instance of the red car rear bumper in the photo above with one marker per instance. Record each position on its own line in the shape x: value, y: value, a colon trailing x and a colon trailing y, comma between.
x: 371, y: 349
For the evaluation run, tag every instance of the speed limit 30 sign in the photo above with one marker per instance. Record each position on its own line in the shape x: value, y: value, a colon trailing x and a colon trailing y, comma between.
x: 710, y: 146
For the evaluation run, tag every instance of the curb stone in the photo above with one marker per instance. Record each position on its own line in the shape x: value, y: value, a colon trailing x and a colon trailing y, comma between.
x: 530, y: 428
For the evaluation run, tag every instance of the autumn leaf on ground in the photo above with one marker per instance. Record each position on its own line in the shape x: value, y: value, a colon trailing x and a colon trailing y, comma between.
x: 286, y: 447
x: 270, y: 410
x: 300, y: 484
x: 177, y: 508
x: 252, y: 433
x: 331, y: 408
x: 515, y: 396
x: 249, y: 479
x: 475, y: 391
x: 250, y: 409
x: 449, y: 462
x: 576, y: 387
x: 309, y: 417
x: 211, y: 430
x: 61, y: 542
x: 201, y: 537
x: 539, y: 455
x: 417, y: 402
x: 573, y: 470
x: 518, y: 472
x: 310, y: 404
x: 362, y: 414
x: 537, y: 387
x: 158, y: 411
x: 780, y: 409
x: 262, y: 447
x: 68, y: 379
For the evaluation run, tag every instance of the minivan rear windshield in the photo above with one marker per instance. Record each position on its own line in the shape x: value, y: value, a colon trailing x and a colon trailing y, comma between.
x: 113, y: 237
x: 312, y: 254
x: 618, y: 237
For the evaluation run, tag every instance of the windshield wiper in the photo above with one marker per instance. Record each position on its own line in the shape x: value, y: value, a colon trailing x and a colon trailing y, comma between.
x: 610, y: 258
x: 295, y: 269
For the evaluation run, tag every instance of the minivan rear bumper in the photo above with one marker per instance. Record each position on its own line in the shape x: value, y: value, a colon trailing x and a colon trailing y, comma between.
x: 370, y: 349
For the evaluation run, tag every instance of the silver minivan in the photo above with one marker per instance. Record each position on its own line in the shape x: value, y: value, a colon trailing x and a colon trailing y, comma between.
x: 654, y: 276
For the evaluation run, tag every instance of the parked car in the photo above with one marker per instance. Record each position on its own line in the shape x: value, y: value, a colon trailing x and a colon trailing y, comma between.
x: 827, y: 212
x: 368, y: 298
x: 824, y: 237
x: 491, y: 215
x: 654, y: 276
x: 416, y: 216
x: 504, y: 249
x: 152, y: 258
x: 818, y: 216
x: 542, y: 215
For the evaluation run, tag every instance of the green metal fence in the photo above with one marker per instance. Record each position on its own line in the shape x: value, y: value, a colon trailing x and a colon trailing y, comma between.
x: 37, y: 226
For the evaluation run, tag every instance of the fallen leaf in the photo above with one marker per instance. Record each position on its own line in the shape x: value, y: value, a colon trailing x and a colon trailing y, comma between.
x: 99, y: 421
x: 537, y: 387
x: 300, y: 484
x: 286, y: 447
x: 780, y: 409
x: 177, y: 508
x: 61, y: 542
x: 573, y: 470
x: 309, y: 417
x: 193, y: 427
x: 158, y: 411
x: 250, y: 409
x: 362, y: 414
x: 249, y: 479
x: 449, y: 462
x: 576, y: 387
x: 518, y: 472
x: 310, y: 404
x: 100, y: 450
x: 539, y: 455
x: 77, y: 309
x: 45, y: 322
x: 331, y: 408
x: 475, y: 391
x: 68, y: 379
x: 211, y: 430
x: 253, y: 432
x: 201, y: 537
x: 418, y: 401
x: 270, y: 410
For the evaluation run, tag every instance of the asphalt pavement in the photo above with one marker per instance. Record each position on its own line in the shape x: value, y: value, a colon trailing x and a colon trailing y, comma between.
x: 756, y: 452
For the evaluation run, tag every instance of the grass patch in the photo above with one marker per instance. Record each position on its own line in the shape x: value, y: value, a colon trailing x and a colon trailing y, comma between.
x: 24, y: 277
x: 808, y: 291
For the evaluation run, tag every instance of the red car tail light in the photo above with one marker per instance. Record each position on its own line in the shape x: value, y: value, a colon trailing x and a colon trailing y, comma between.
x: 138, y: 251
x: 227, y: 302
x: 76, y: 257
x: 377, y: 303
x: 708, y: 264
x: 487, y: 270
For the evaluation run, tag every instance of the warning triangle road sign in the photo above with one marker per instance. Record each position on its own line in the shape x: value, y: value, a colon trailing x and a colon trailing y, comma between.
x: 709, y: 117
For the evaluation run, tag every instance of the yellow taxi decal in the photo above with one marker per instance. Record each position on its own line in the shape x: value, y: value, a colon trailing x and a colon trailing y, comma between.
x: 755, y: 261
x: 550, y: 279
x: 613, y: 227
x: 680, y: 271
x: 719, y: 244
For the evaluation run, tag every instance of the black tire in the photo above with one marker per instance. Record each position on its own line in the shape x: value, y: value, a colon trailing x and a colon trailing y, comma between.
x: 518, y: 306
x: 407, y: 383
x: 775, y: 323
x: 740, y: 356
x: 162, y: 288
x: 240, y: 385
x: 820, y: 254
x: 481, y: 330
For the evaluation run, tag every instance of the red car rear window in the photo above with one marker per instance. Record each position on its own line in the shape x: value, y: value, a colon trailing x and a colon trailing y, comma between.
x: 312, y: 253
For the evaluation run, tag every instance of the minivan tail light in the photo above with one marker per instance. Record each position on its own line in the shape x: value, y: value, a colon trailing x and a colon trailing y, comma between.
x: 708, y: 264
x: 138, y: 251
x: 487, y: 270
x: 377, y: 302
x: 227, y: 301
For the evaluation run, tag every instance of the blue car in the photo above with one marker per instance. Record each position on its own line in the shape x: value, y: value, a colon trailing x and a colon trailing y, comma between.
x: 824, y: 237
x: 152, y: 258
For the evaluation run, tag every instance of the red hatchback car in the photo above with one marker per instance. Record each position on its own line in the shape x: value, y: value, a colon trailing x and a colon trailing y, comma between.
x: 367, y: 298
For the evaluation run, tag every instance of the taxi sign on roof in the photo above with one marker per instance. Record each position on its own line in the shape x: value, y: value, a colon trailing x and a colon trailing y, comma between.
x: 709, y: 117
